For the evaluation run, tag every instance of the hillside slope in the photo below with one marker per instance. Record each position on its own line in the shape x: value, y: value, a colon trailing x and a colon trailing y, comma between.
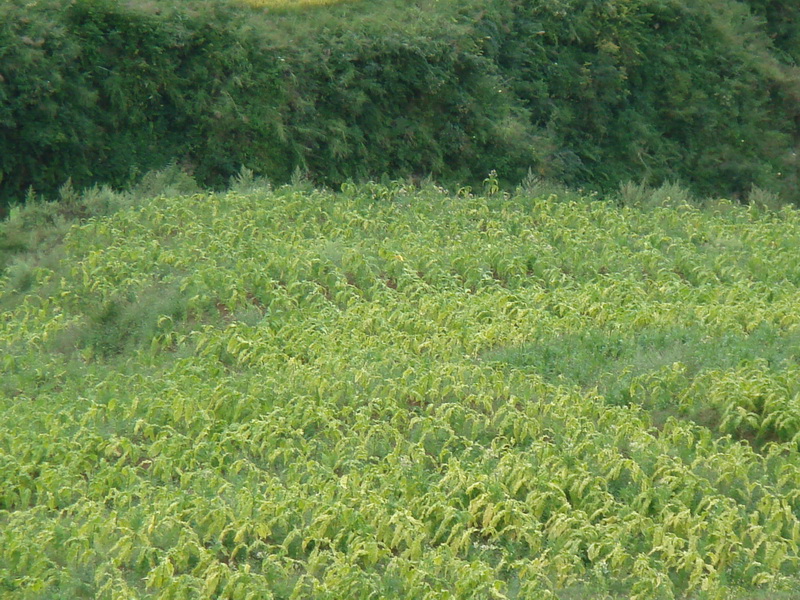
x: 401, y: 393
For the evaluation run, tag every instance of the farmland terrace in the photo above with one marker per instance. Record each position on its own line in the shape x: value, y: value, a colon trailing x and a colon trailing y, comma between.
x: 400, y: 392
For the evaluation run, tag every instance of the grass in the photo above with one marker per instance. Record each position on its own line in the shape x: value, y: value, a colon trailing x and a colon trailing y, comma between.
x: 292, y: 4
x: 284, y: 22
x: 290, y: 20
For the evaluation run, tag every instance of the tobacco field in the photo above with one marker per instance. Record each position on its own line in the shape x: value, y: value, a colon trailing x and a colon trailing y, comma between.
x: 393, y: 392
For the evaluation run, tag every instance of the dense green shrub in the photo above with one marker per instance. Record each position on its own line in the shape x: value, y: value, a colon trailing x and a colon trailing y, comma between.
x: 588, y: 93
x: 781, y: 20
x: 100, y: 91
x: 655, y: 89
x: 398, y: 105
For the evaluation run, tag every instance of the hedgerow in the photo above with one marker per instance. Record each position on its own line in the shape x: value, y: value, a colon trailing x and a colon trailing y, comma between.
x: 585, y: 93
x: 102, y: 91
x: 655, y: 90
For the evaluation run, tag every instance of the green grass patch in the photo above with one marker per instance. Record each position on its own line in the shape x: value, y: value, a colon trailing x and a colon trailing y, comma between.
x: 620, y: 365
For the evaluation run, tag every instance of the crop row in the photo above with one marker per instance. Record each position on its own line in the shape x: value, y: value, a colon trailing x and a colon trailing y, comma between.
x: 298, y: 394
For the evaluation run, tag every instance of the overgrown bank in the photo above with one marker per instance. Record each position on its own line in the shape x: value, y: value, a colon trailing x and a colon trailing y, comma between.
x: 586, y: 93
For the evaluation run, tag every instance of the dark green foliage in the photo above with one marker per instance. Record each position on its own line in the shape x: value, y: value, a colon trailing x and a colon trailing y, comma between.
x: 586, y: 93
x: 653, y: 90
x: 99, y: 91
x: 396, y: 104
x: 781, y: 21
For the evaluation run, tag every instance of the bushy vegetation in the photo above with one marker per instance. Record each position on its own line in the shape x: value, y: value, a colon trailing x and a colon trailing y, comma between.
x: 399, y: 393
x: 585, y: 93
x: 656, y: 90
x: 102, y: 91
